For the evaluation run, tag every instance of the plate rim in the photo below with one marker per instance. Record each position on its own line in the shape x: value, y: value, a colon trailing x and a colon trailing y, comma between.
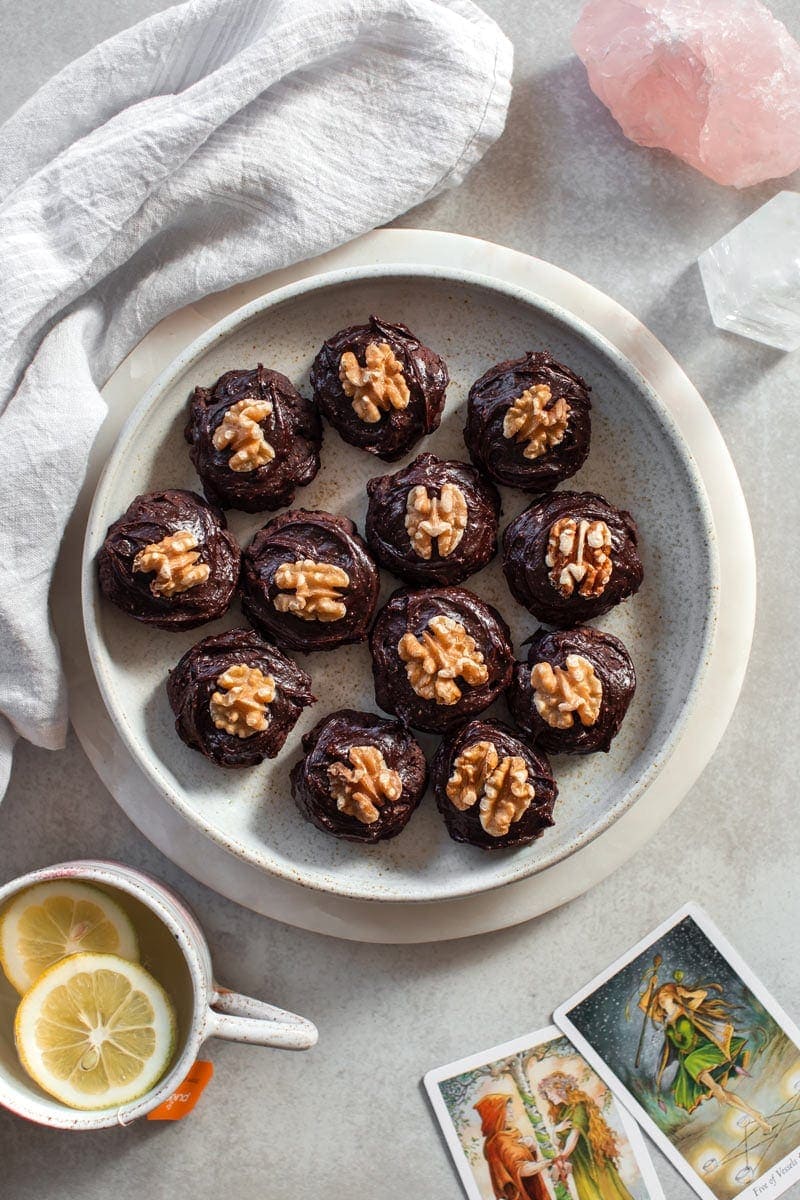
x: 238, y: 318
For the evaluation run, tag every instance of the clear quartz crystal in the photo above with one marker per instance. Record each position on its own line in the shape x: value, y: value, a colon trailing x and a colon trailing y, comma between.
x: 752, y: 275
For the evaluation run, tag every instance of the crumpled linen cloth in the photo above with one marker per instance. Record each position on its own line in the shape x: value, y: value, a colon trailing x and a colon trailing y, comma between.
x: 209, y: 144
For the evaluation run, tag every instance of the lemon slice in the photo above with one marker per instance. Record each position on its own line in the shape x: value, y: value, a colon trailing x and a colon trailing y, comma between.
x: 48, y: 921
x: 95, y: 1031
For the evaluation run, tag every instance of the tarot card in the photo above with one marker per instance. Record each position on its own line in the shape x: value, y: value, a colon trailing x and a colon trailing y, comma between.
x: 696, y: 1048
x: 531, y: 1120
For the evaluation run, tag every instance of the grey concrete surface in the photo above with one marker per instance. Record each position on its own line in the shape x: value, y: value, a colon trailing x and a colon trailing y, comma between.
x: 349, y: 1119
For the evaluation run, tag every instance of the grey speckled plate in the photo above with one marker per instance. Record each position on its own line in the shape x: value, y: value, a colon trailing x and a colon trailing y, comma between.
x: 638, y: 461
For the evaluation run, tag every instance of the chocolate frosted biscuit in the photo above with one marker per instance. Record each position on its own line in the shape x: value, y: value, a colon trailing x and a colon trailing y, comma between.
x: 439, y: 655
x: 529, y: 422
x: 493, y: 789
x: 361, y: 776
x: 572, y: 694
x: 236, y: 698
x: 379, y: 387
x: 571, y: 556
x: 308, y: 582
x: 170, y: 561
x: 254, y: 439
x: 433, y: 522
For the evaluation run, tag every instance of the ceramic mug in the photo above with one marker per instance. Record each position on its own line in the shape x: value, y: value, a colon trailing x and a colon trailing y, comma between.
x: 174, y: 949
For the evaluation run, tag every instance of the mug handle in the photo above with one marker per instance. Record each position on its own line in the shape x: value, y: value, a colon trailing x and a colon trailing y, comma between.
x: 243, y: 1019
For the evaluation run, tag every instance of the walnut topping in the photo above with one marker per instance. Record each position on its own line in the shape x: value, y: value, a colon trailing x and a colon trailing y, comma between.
x: 175, y: 562
x: 362, y: 788
x: 579, y: 552
x: 501, y: 786
x: 534, y: 420
x: 441, y: 519
x: 378, y: 386
x: 241, y: 708
x: 434, y: 661
x: 316, y: 590
x: 240, y: 430
x: 558, y: 693
x: 470, y: 772
x: 507, y: 795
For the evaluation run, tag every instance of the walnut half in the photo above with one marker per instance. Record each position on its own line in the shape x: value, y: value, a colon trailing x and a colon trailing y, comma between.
x: 175, y: 562
x: 443, y: 653
x: 316, y: 587
x: 240, y: 707
x: 241, y: 431
x: 534, y: 420
x: 439, y: 520
x: 579, y: 552
x: 558, y: 693
x: 470, y: 771
x: 501, y: 787
x: 378, y: 386
x: 361, y: 789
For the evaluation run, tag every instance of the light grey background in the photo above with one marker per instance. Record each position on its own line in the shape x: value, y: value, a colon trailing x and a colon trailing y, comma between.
x: 349, y: 1119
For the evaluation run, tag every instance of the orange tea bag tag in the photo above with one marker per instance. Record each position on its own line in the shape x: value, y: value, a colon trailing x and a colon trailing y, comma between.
x: 184, y: 1098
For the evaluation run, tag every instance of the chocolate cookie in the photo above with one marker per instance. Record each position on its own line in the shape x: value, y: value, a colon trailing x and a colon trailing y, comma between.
x: 236, y: 698
x: 170, y: 561
x: 433, y: 522
x: 254, y: 439
x: 529, y: 422
x: 439, y: 655
x: 308, y: 582
x: 571, y: 557
x: 493, y: 789
x: 573, y: 692
x: 361, y: 778
x: 379, y: 387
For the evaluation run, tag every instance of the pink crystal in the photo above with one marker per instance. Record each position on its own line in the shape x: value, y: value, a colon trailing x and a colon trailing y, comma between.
x: 717, y: 82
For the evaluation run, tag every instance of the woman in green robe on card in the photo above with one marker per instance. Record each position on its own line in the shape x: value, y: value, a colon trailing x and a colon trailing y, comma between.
x: 699, y: 1033
x: 590, y: 1146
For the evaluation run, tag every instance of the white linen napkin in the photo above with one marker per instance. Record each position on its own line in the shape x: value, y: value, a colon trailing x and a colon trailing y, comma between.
x: 207, y: 145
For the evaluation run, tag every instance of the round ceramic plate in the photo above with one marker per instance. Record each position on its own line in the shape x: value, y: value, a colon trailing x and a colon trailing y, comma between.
x: 638, y: 461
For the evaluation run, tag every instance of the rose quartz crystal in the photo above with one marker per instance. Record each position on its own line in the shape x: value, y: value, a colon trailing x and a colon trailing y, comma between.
x: 717, y: 82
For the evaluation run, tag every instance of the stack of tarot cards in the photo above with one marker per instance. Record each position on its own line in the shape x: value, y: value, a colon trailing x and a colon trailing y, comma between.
x: 677, y: 1039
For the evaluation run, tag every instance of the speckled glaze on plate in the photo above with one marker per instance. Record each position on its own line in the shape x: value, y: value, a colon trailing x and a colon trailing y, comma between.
x: 638, y: 461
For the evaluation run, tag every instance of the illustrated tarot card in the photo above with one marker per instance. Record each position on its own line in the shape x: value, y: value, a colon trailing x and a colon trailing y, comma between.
x: 696, y: 1048
x: 531, y: 1119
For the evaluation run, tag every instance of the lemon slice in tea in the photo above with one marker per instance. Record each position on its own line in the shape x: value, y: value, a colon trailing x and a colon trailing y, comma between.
x: 49, y: 921
x: 95, y: 1031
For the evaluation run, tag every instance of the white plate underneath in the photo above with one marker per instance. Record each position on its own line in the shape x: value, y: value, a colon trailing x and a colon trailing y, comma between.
x: 391, y: 921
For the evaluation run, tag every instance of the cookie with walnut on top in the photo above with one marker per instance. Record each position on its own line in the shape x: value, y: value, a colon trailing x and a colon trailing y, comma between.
x: 361, y: 776
x: 254, y: 439
x: 493, y: 789
x: 170, y: 560
x: 572, y: 694
x: 308, y: 581
x: 572, y: 556
x: 433, y: 522
x: 529, y: 422
x: 380, y: 387
x: 236, y: 698
x: 439, y: 655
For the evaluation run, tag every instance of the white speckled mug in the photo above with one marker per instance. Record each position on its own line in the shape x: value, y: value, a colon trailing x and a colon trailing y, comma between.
x: 174, y: 949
